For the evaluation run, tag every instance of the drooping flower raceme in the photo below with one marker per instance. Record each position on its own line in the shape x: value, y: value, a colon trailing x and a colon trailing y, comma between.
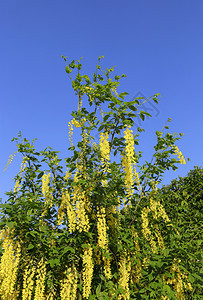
x: 69, y: 285
x: 40, y: 281
x: 127, y: 161
x: 103, y: 239
x: 87, y: 273
x: 180, y: 155
x: 8, y: 266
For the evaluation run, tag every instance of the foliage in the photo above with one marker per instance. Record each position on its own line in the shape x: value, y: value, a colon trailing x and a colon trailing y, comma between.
x: 97, y: 229
x: 183, y: 202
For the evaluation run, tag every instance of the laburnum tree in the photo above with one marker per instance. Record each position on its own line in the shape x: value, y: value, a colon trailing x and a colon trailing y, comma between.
x: 96, y: 229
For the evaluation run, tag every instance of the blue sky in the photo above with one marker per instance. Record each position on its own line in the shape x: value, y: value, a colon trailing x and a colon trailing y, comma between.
x: 157, y: 44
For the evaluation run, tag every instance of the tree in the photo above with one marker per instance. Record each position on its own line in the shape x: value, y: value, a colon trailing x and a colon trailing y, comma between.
x: 183, y: 203
x: 96, y: 230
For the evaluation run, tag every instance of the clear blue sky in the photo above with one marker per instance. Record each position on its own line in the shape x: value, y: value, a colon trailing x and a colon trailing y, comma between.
x: 157, y: 44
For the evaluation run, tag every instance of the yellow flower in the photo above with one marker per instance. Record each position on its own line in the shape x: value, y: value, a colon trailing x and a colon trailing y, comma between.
x: 80, y: 201
x: 9, y: 161
x: 69, y: 285
x: 101, y: 228
x: 103, y: 239
x: 128, y: 163
x: 180, y: 155
x: 179, y: 280
x: 70, y: 133
x: 67, y: 175
x: 8, y: 266
x: 145, y: 228
x: 124, y: 271
x: 76, y: 123
x: 40, y: 281
x: 87, y: 273
x: 45, y: 184
x: 22, y: 168
x: 66, y: 205
x: 28, y: 281
x: 107, y: 267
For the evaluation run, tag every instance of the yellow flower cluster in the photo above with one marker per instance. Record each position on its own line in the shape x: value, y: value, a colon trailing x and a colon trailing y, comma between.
x: 145, y: 228
x: 179, y: 280
x: 67, y: 175
x: 90, y: 92
x: 76, y: 123
x: 80, y: 202
x: 104, y: 146
x: 8, y: 266
x: 101, y: 228
x: 9, y: 161
x: 28, y: 281
x: 124, y: 275
x: 128, y: 164
x: 70, y: 133
x: 87, y: 273
x: 103, y: 239
x: 105, y: 152
x: 69, y: 285
x: 66, y: 205
x: 115, y: 91
x: 22, y: 168
x: 82, y: 217
x: 40, y: 281
x: 157, y: 211
x: 180, y: 155
x: 107, y: 267
x: 45, y: 184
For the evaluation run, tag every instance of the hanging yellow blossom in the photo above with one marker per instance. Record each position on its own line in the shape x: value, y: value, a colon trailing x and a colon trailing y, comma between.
x: 87, y: 273
x: 67, y: 206
x: 107, y: 267
x: 67, y: 175
x: 17, y: 186
x: 104, y: 147
x: 90, y: 92
x: 28, y: 281
x: 179, y: 280
x: 145, y: 228
x: 80, y: 202
x: 102, y: 228
x: 40, y: 281
x: 8, y: 266
x: 22, y: 168
x: 70, y: 133
x: 45, y: 184
x: 82, y: 217
x: 103, y: 239
x: 69, y: 285
x: 128, y: 162
x: 124, y: 274
x: 9, y: 161
x: 76, y: 123
x: 105, y: 152
x: 180, y: 155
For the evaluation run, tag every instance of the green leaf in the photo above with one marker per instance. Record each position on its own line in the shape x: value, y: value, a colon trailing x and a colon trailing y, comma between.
x: 30, y: 246
x: 54, y: 262
x: 132, y: 107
